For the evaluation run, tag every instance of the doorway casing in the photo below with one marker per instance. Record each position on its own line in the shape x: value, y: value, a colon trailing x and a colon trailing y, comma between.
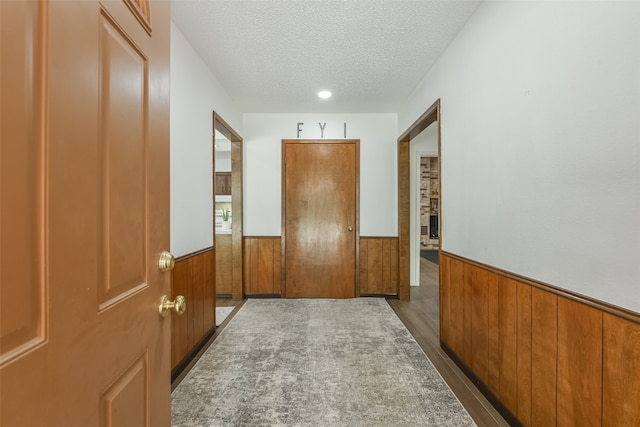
x: 236, y: 202
x: 404, y: 195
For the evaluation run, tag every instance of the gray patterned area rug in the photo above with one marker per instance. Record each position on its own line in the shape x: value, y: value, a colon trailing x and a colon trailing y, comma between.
x: 315, y: 362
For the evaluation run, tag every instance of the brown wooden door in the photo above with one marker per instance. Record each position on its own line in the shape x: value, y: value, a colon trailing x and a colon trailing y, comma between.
x: 84, y: 213
x: 320, y: 218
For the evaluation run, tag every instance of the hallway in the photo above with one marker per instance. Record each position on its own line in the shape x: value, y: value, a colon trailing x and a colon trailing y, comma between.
x: 420, y: 316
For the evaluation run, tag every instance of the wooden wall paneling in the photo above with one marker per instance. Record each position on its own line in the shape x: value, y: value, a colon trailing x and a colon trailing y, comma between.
x: 386, y: 266
x: 262, y: 265
x: 378, y: 265
x: 508, y: 318
x: 277, y: 266
x: 192, y: 277
x: 209, y: 270
x: 579, y: 364
x: 467, y: 313
x: 621, y: 375
x: 445, y: 300
x: 494, y: 332
x: 254, y: 266
x: 456, y: 306
x: 181, y: 325
x: 364, y: 276
x: 552, y: 358
x: 197, y: 300
x: 524, y: 352
x: 544, y: 357
x: 246, y: 270
x: 374, y: 266
x: 393, y: 267
x: 265, y: 266
x: 479, y: 323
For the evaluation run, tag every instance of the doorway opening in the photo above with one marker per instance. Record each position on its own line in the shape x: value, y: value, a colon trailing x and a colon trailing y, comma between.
x: 227, y: 184
x: 409, y: 254
x: 425, y: 206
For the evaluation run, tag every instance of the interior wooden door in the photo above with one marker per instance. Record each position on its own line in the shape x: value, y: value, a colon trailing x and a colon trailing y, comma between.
x: 320, y: 218
x: 84, y: 213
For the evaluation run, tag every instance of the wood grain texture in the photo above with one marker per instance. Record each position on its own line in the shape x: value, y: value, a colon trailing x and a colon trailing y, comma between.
x: 237, y: 207
x: 196, y: 301
x: 223, y: 184
x: 621, y: 375
x: 320, y: 217
x: 404, y: 207
x: 579, y: 364
x: 544, y: 357
x: 445, y: 300
x: 224, y: 267
x: 467, y: 295
x: 393, y: 266
x: 508, y: 320
x: 378, y: 265
x: 420, y: 316
x: 193, y: 278
x: 262, y: 265
x: 551, y: 359
x: 493, y: 294
x: 181, y: 329
x: 363, y: 266
x: 374, y: 266
x: 456, y: 306
x: 524, y: 353
x: 480, y: 323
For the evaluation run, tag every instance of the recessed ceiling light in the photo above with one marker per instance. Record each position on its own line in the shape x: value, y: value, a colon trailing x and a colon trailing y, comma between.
x: 324, y: 94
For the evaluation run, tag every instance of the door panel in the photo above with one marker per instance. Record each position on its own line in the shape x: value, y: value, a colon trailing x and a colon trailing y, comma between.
x: 22, y: 326
x: 320, y: 209
x: 84, y: 214
x: 123, y: 124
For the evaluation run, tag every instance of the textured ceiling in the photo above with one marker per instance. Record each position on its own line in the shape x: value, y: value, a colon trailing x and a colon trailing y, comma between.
x: 275, y: 55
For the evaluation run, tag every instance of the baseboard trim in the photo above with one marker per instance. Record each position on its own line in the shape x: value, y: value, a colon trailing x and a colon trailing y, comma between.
x: 186, y: 361
x: 508, y: 416
x: 263, y: 295
x: 385, y: 296
x: 224, y: 296
x: 615, y: 310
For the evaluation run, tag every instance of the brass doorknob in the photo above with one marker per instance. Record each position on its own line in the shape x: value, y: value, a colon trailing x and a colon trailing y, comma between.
x: 179, y: 305
x: 166, y: 261
x: 350, y: 228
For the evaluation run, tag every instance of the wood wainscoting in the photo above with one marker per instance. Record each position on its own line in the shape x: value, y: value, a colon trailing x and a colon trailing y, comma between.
x: 378, y: 266
x: 547, y: 356
x: 263, y: 268
x: 262, y: 265
x: 193, y: 277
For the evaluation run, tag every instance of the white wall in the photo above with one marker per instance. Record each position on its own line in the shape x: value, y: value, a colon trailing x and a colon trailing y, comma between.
x: 263, y: 134
x: 425, y: 144
x: 541, y: 143
x: 195, y: 94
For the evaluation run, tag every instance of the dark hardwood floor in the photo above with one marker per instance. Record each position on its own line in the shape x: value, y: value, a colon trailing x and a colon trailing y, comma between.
x: 421, y: 317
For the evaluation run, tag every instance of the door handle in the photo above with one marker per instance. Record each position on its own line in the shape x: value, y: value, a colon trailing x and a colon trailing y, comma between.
x: 167, y: 261
x: 350, y: 228
x: 179, y: 305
